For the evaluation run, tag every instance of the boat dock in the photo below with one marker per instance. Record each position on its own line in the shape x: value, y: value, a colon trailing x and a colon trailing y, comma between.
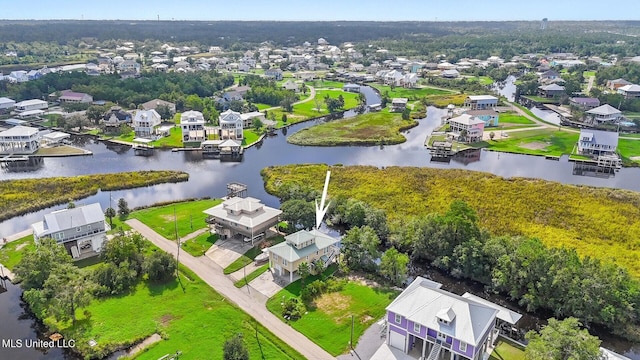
x: 6, y: 273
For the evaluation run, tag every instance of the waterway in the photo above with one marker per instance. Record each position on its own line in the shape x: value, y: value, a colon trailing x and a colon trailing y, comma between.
x: 208, y: 177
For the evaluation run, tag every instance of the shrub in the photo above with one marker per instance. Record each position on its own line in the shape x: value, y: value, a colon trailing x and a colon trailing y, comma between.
x: 293, y: 309
x: 160, y: 266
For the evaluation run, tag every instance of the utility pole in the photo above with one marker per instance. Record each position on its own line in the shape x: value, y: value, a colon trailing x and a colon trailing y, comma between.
x: 175, y: 225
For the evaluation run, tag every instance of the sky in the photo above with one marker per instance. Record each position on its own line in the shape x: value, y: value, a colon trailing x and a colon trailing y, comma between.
x: 323, y: 10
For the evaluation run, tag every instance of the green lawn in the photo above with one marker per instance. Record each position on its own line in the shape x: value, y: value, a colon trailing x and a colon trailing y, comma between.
x: 588, y: 74
x: 190, y: 217
x: 411, y: 94
x: 483, y: 80
x: 308, y: 110
x: 506, y: 351
x: 536, y: 142
x: 542, y: 100
x: 174, y: 140
x: 250, y: 255
x: 329, y: 84
x: 249, y: 137
x: 262, y: 106
x: 513, y: 118
x: 254, y: 274
x: 200, y: 244
x: 628, y: 149
x: 366, y: 129
x: 9, y: 253
x: 195, y: 321
x: 328, y: 320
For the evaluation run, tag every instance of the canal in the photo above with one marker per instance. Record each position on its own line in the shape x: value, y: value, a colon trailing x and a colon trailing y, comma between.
x: 208, y: 177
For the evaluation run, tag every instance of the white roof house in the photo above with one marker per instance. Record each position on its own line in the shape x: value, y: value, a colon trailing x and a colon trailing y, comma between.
x: 192, y: 125
x: 605, y: 113
x: 19, y: 140
x: 6, y: 103
x: 245, y: 216
x: 467, y: 320
x: 33, y: 104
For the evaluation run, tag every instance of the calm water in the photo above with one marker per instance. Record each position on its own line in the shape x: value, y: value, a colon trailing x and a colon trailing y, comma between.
x: 208, y: 177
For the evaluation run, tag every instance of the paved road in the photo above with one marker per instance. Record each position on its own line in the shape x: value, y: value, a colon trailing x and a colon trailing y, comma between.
x: 211, y: 273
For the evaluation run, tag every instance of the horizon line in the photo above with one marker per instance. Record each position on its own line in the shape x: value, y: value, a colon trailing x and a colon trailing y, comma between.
x: 309, y: 20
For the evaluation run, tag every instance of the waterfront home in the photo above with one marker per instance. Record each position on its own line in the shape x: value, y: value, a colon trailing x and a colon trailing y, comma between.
x: 82, y: 230
x: 481, y: 102
x: 242, y: 217
x: 28, y: 105
x: 584, y: 103
x: 550, y: 90
x: 399, y: 104
x: 248, y: 118
x: 192, y: 126
x: 155, y: 103
x: 114, y: 118
x: 466, y: 128
x: 312, y: 247
x: 489, y: 116
x: 145, y: 123
x: 450, y: 74
x: 19, y: 140
x: 617, y: 83
x: 68, y: 96
x: 231, y: 125
x: 597, y: 142
x: 354, y: 88
x: 631, y: 91
x: 409, y: 80
x: 604, y: 114
x: 427, y: 322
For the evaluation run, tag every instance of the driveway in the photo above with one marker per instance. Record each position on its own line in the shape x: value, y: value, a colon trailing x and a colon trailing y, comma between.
x: 368, y: 344
x: 211, y: 273
x: 224, y: 252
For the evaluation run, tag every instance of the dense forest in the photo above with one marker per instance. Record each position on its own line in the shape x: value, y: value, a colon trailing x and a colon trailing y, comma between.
x: 173, y: 87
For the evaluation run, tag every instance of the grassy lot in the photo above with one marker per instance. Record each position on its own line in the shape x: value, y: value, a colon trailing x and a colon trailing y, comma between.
x: 190, y: 217
x: 366, y: 129
x: 442, y: 101
x: 11, y: 253
x: 262, y: 106
x: 328, y: 84
x: 174, y: 140
x: 588, y: 74
x: 483, y: 80
x: 200, y: 244
x: 254, y: 274
x: 632, y: 115
x: 308, y: 110
x: 536, y: 142
x: 506, y: 351
x: 196, y: 321
x: 250, y: 255
x: 542, y: 100
x: 411, y: 94
x: 328, y: 319
x: 513, y: 118
x: 17, y: 196
x: 629, y: 149
x: 597, y: 222
x: 249, y: 136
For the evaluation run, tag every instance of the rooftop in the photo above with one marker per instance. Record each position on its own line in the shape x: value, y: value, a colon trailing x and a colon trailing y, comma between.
x: 19, y: 131
x: 605, y: 109
x: 289, y: 252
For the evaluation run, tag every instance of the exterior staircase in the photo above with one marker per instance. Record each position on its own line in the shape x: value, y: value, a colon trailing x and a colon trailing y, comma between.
x: 435, y: 352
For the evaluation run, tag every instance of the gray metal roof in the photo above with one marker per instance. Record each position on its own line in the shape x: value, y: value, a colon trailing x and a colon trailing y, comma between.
x: 290, y: 253
x: 422, y: 303
x: 71, y: 218
x: 605, y: 109
x: 600, y: 137
x: 504, y: 314
x: 19, y: 131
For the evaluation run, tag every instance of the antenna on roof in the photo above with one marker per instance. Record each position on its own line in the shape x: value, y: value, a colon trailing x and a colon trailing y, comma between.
x: 322, y: 210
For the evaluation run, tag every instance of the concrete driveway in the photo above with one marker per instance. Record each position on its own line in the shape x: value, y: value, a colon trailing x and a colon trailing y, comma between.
x: 224, y: 252
x: 266, y: 284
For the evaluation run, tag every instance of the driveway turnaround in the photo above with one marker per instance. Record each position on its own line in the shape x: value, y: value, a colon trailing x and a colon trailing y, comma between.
x: 212, y: 274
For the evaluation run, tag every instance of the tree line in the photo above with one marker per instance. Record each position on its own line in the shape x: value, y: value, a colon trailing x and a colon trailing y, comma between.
x: 536, y: 276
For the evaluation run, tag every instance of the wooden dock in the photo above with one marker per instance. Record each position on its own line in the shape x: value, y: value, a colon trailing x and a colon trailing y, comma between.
x: 6, y: 273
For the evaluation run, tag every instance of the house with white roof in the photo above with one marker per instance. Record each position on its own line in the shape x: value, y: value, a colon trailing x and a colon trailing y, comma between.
x: 242, y: 217
x: 631, y: 91
x: 19, y: 139
x: 597, y: 142
x: 481, y: 102
x: 145, y: 122
x: 604, y: 114
x: 290, y: 85
x: 6, y: 104
x: 248, y: 118
x: 425, y: 321
x: 192, y: 125
x: 550, y: 90
x: 33, y: 104
x: 312, y: 247
x: 231, y: 125
x: 82, y: 230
